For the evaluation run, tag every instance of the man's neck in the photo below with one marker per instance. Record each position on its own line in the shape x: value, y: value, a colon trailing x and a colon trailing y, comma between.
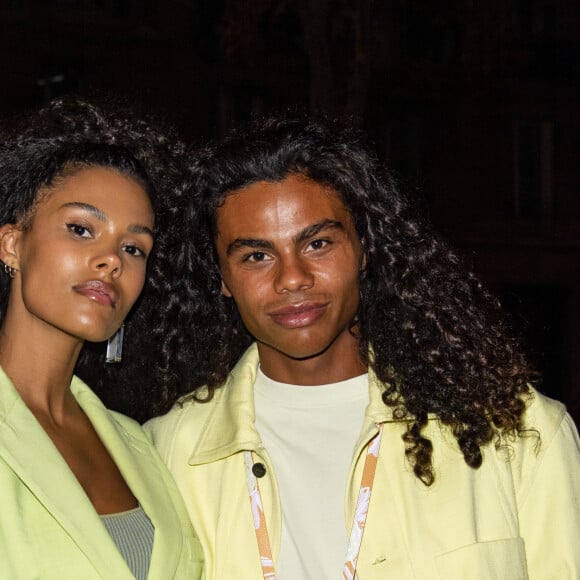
x: 330, y: 366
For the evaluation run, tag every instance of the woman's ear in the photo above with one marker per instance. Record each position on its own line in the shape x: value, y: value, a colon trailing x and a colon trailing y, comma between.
x: 9, y: 235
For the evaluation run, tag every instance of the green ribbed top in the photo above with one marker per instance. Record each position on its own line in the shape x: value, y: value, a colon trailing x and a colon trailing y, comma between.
x: 132, y: 532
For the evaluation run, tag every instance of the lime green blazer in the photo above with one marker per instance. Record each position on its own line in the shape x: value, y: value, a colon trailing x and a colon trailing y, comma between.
x: 49, y: 528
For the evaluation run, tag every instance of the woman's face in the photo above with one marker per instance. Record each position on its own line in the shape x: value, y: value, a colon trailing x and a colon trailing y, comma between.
x: 81, y: 263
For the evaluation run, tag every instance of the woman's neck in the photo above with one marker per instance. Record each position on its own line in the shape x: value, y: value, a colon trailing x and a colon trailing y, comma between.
x: 40, y: 363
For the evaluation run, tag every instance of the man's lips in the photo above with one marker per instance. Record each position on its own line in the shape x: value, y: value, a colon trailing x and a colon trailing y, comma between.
x: 298, y: 315
x: 98, y: 291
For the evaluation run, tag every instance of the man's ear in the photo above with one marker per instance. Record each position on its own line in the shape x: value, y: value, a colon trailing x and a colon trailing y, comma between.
x: 225, y: 290
x: 9, y: 235
x: 363, y: 260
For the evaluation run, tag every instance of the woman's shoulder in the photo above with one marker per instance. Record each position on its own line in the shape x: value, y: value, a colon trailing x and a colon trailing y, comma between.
x: 98, y: 413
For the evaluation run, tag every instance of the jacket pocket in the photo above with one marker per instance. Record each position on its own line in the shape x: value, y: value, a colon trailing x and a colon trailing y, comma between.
x: 497, y: 560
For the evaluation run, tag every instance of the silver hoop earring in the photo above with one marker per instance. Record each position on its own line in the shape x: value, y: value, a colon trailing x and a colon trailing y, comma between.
x: 11, y: 272
x: 115, y: 347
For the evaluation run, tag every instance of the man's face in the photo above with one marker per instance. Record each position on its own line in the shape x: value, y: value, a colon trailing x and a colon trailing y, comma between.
x: 290, y: 258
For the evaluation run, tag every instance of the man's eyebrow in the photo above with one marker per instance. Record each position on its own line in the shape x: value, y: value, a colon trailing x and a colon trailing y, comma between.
x: 101, y: 216
x: 239, y: 243
x: 315, y: 229
x: 306, y: 233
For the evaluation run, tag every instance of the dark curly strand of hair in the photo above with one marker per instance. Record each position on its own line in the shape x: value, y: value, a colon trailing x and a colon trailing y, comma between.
x: 66, y: 136
x: 438, y: 338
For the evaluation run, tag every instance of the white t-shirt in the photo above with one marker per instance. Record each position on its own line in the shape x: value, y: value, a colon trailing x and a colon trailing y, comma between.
x: 310, y: 433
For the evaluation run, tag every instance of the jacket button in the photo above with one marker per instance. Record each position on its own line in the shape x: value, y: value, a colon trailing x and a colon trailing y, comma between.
x: 258, y: 469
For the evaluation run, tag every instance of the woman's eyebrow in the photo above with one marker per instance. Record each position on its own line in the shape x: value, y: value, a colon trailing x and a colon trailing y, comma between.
x: 102, y: 216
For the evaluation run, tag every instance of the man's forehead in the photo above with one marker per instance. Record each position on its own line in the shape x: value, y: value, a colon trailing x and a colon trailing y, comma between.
x: 295, y: 201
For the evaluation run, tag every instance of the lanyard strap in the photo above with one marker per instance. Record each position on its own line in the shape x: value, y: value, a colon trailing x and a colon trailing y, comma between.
x: 362, y: 506
x: 259, y: 520
x: 358, y: 524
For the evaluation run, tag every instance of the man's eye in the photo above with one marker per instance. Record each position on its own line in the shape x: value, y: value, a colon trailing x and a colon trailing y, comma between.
x: 318, y: 244
x: 256, y: 257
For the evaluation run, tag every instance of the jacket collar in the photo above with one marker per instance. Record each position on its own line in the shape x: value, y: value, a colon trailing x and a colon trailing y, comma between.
x: 230, y: 422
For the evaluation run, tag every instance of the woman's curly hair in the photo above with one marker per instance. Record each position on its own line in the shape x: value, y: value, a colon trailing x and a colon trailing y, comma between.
x: 427, y: 327
x: 71, y: 133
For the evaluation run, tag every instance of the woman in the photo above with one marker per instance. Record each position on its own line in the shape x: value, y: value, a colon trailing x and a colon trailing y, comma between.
x: 87, y: 211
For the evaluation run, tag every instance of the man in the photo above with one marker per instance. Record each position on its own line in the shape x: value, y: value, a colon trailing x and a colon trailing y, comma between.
x: 379, y: 390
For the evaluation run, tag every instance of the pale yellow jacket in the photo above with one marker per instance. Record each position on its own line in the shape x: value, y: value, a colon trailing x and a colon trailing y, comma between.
x: 516, y: 517
x: 49, y: 529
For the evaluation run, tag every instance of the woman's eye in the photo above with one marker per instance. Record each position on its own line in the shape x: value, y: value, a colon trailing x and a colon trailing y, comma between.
x: 78, y: 230
x: 134, y: 251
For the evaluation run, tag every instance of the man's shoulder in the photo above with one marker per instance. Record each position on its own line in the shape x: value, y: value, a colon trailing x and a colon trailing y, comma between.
x: 547, y: 431
x: 183, y: 421
x: 543, y: 413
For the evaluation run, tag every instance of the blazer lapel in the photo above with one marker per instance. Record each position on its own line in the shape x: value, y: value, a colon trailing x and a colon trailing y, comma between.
x: 146, y: 476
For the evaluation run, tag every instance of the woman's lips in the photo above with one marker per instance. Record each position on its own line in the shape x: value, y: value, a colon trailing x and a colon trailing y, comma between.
x: 298, y: 316
x: 98, y: 291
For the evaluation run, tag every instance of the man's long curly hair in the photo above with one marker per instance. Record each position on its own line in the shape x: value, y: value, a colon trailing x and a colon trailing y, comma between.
x: 68, y: 135
x: 427, y: 327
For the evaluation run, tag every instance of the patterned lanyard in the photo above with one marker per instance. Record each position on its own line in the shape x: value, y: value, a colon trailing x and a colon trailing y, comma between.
x: 358, y: 524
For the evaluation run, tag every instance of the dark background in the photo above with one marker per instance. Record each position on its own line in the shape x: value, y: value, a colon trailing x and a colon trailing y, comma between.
x: 475, y: 105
